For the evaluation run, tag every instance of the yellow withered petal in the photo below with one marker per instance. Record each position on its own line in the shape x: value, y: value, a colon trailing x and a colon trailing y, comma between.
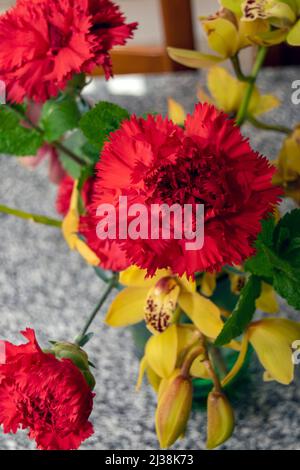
x: 136, y: 277
x: 161, y: 352
x: 238, y: 364
x: 293, y: 37
x: 70, y: 227
x: 208, y: 284
x: 220, y: 419
x: 203, y: 313
x: 267, y: 302
x: 71, y: 221
x: 173, y: 409
x: 127, y: 308
x: 272, y: 340
x: 222, y: 36
x: 161, y: 304
x: 176, y: 112
x: 193, y: 59
x: 86, y: 252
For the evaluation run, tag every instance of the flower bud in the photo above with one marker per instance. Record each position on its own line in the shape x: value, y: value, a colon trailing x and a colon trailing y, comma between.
x: 78, y: 356
x: 220, y: 419
x: 173, y: 409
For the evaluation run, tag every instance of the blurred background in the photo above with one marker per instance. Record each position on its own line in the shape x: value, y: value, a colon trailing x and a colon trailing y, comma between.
x: 171, y: 23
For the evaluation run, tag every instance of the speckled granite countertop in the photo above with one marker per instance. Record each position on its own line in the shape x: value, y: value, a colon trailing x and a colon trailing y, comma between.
x: 45, y: 286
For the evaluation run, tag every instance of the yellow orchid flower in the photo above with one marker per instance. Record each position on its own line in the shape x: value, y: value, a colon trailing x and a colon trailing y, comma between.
x: 272, y: 339
x: 282, y: 16
x: 229, y: 99
x: 288, y: 166
x: 70, y: 227
x: 156, y: 299
x: 226, y: 35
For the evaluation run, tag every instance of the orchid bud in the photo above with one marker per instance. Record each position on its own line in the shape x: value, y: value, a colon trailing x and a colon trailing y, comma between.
x: 173, y: 409
x: 220, y: 419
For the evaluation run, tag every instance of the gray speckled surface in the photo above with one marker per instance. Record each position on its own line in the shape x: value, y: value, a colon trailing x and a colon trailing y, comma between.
x: 45, y: 286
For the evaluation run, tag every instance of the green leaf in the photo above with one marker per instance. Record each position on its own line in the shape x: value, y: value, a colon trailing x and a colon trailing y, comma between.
x: 286, y: 278
x: 100, y: 121
x: 59, y: 116
x: 260, y: 264
x: 91, y: 152
x: 286, y: 235
x: 278, y: 257
x: 243, y: 312
x: 15, y: 139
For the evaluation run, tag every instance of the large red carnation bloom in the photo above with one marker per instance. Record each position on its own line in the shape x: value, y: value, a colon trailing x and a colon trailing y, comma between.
x: 45, y: 42
x: 47, y: 396
x: 153, y: 161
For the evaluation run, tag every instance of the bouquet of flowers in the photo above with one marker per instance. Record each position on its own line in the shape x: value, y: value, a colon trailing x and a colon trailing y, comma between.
x: 178, y: 215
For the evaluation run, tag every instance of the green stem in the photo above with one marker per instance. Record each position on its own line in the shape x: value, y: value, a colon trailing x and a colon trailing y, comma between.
x: 242, y: 114
x: 268, y: 127
x: 218, y: 361
x: 57, y: 144
x: 40, y: 219
x: 110, y: 286
x: 238, y: 70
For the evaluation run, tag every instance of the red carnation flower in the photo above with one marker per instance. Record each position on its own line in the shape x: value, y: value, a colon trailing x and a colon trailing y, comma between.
x: 45, y: 42
x: 47, y: 396
x: 153, y: 161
